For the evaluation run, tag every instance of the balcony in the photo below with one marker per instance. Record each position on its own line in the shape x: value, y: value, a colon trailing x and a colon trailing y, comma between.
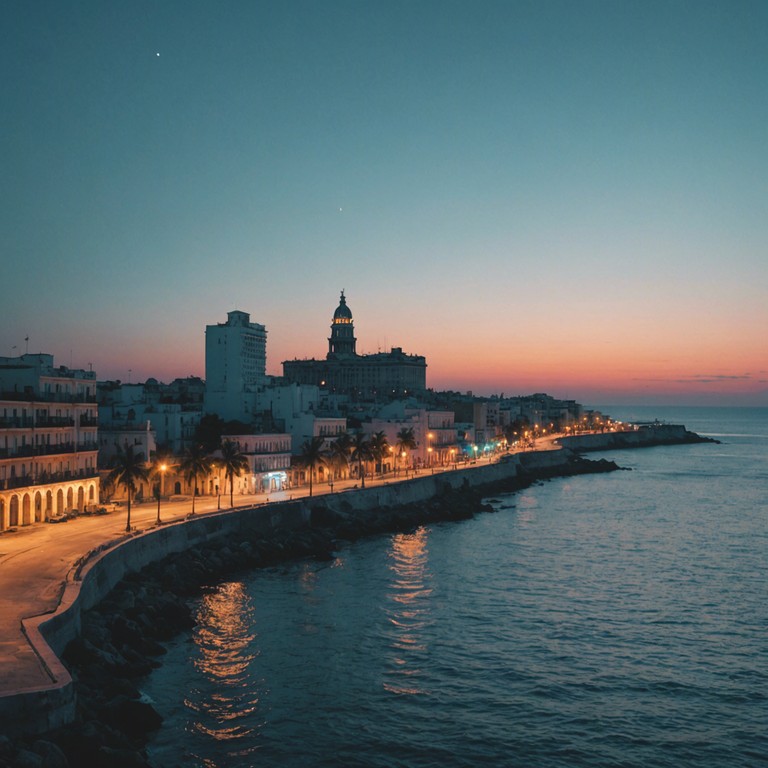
x: 48, y: 397
x: 54, y: 421
x: 44, y: 478
x: 16, y: 422
x: 26, y: 451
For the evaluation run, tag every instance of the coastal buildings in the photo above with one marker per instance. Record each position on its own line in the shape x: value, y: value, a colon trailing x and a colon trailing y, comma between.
x: 269, y: 462
x: 48, y: 440
x: 380, y: 375
x: 235, y: 366
x: 172, y: 411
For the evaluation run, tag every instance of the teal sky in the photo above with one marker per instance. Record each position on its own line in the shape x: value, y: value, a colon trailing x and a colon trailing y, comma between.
x: 568, y: 197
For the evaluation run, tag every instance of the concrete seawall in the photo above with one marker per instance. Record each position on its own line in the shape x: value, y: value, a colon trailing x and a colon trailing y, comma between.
x: 35, y: 711
x: 645, y: 436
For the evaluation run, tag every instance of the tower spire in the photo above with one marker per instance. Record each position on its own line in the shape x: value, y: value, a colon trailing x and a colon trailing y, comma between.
x: 342, y: 340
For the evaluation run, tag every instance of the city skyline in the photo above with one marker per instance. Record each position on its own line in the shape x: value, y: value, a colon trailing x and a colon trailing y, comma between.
x: 534, y: 196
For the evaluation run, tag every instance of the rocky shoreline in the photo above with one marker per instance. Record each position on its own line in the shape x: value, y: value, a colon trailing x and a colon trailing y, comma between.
x: 121, y: 639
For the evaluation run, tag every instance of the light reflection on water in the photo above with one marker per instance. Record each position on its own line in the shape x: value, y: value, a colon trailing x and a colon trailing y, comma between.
x: 224, y: 645
x: 408, y: 609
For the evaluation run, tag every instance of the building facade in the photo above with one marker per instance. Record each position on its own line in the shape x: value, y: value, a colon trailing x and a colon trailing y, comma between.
x: 379, y: 375
x: 48, y: 440
x: 235, y: 366
x: 269, y: 462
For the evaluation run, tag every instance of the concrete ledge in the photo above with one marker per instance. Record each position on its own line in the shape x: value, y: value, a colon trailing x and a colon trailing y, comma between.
x: 646, y: 436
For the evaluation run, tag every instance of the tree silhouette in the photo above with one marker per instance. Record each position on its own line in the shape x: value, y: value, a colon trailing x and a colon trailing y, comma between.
x: 361, y: 452
x: 406, y: 440
x: 312, y: 455
x: 379, y: 447
x: 195, y: 463
x: 128, y: 469
x: 234, y: 462
x: 339, y: 452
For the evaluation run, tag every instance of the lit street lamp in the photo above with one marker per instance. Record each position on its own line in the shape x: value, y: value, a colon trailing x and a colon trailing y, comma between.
x: 160, y: 488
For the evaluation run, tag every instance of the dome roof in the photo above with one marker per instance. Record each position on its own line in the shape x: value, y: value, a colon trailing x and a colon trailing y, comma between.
x: 342, y: 311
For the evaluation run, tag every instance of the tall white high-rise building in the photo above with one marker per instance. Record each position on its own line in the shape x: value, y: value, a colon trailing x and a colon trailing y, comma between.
x: 235, y: 366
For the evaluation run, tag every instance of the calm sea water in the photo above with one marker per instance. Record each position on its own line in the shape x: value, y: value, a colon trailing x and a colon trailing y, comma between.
x: 611, y: 620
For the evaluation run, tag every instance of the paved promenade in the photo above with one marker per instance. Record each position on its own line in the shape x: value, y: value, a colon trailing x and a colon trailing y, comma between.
x: 35, y: 561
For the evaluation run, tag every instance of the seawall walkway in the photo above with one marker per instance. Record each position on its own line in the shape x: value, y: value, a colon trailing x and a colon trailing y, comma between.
x: 36, y: 690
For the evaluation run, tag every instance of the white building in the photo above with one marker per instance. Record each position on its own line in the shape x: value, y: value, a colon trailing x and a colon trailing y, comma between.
x: 235, y: 366
x: 112, y: 439
x: 48, y: 439
x: 269, y: 462
x: 173, y: 424
x: 298, y: 409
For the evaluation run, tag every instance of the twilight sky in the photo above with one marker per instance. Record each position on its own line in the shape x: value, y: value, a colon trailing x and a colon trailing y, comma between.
x: 568, y: 197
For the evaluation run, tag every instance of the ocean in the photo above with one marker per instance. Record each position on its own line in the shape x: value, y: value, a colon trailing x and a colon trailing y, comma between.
x: 617, y: 619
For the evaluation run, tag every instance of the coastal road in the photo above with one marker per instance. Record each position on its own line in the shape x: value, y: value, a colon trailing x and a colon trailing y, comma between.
x: 35, y: 560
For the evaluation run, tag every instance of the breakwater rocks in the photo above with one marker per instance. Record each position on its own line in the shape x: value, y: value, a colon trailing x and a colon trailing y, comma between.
x: 121, y: 638
x: 645, y: 436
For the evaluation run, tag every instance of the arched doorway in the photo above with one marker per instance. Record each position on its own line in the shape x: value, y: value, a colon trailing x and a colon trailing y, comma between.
x: 177, y: 488
x: 80, y: 499
x: 38, y: 507
x: 13, y: 517
x: 70, y: 498
x: 26, y: 510
x: 48, y: 504
x: 59, y: 502
x: 3, y: 523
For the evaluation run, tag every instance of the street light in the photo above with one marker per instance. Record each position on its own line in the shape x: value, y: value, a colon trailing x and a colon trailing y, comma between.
x: 215, y: 468
x: 160, y: 488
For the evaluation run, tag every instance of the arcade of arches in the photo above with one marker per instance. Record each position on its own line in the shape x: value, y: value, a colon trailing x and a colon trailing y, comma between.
x: 38, y: 503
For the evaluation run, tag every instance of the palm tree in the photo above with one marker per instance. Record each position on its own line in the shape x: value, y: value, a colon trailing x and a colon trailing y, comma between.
x: 196, y: 463
x: 379, y: 447
x: 128, y: 469
x: 361, y: 452
x: 339, y: 452
x: 234, y: 463
x: 406, y: 441
x: 312, y: 455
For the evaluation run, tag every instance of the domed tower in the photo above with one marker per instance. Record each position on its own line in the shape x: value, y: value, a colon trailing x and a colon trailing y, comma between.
x: 342, y: 341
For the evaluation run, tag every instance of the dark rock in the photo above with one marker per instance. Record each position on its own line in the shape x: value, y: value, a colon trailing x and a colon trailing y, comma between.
x: 126, y: 631
x: 26, y: 759
x: 51, y: 754
x: 131, y: 716
x: 120, y: 758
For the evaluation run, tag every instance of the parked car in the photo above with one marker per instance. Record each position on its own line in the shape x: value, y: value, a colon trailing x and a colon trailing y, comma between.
x: 59, y: 517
